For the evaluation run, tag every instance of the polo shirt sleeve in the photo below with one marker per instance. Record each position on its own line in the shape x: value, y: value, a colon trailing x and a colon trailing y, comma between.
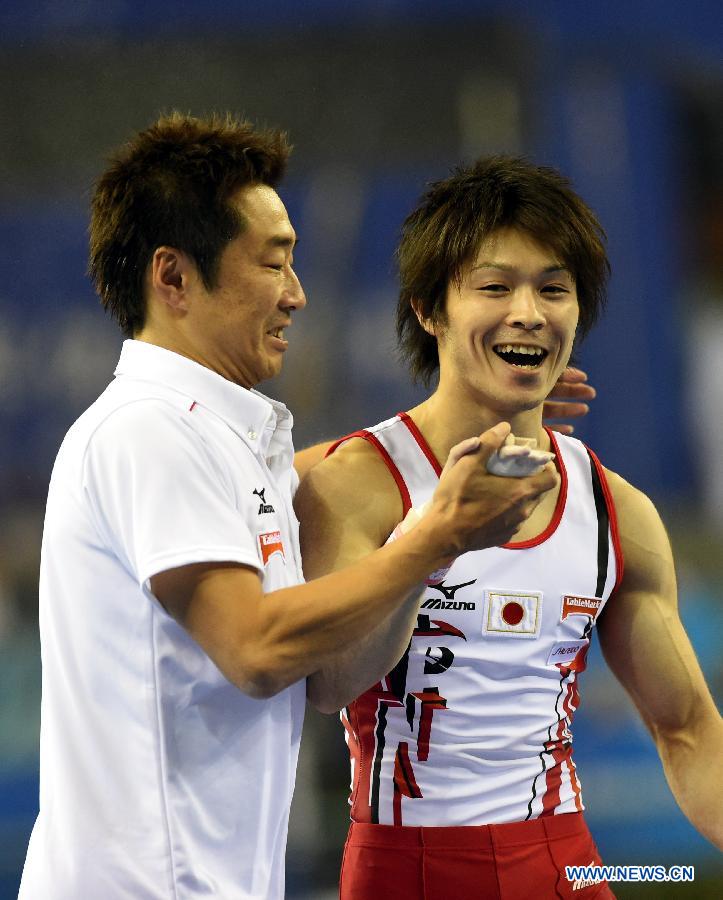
x: 161, y: 495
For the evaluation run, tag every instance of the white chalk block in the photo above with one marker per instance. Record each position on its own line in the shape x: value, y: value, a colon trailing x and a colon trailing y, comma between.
x: 517, y: 458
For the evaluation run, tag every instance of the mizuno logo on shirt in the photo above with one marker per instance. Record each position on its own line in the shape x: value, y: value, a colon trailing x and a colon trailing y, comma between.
x: 264, y: 507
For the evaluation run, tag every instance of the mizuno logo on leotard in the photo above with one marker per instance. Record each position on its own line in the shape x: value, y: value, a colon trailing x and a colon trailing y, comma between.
x: 431, y: 603
x: 449, y: 590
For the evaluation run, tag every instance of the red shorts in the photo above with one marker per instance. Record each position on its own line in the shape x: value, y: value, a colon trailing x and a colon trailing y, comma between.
x: 518, y: 861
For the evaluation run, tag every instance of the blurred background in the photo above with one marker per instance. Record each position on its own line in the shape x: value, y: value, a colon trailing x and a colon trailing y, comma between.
x: 379, y: 97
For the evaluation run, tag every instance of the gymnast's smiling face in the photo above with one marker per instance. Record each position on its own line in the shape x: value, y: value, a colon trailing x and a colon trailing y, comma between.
x: 509, y: 323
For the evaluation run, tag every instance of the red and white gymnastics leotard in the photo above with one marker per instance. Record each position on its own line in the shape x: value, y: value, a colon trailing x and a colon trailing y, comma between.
x: 474, y: 724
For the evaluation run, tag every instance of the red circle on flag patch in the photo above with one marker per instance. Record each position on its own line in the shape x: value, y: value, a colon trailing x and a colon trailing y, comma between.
x: 512, y: 613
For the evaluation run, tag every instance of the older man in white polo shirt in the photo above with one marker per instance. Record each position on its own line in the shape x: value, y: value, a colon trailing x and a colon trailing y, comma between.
x: 176, y: 631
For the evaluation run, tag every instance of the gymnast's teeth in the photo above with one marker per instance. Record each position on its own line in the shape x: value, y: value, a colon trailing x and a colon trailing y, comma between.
x: 519, y: 348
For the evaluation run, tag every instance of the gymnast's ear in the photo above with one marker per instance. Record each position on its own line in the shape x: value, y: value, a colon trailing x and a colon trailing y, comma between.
x: 427, y: 323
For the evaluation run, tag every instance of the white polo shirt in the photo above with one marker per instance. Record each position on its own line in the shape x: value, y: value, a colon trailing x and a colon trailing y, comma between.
x: 159, y: 778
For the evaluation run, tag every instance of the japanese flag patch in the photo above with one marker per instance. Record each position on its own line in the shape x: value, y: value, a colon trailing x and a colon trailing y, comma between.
x: 513, y: 614
x: 270, y: 543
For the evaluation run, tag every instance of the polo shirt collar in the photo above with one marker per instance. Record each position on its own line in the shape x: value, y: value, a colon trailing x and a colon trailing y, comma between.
x: 253, y: 416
